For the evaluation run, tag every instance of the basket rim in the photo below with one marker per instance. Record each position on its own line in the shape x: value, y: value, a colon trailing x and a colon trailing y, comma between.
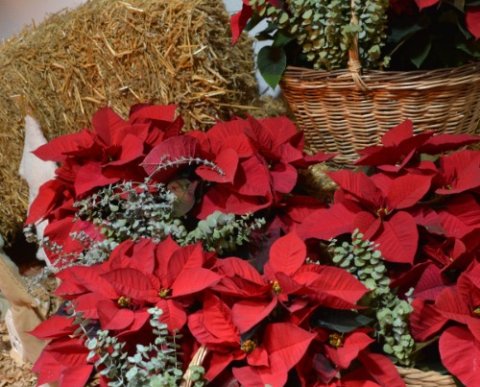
x: 378, y: 79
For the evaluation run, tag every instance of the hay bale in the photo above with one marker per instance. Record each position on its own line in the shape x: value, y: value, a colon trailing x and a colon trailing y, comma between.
x: 117, y: 53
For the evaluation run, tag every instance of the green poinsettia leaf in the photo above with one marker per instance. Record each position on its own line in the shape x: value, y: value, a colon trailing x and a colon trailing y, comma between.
x: 272, y: 62
x: 459, y: 4
x: 400, y: 34
x: 472, y: 49
x: 421, y: 346
x: 421, y: 55
x: 342, y: 321
x: 461, y: 27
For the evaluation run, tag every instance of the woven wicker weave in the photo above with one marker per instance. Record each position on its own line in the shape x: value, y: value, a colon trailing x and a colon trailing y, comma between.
x: 346, y: 110
x: 418, y: 378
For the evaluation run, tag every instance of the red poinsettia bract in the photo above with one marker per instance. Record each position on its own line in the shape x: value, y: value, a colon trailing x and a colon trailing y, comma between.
x: 105, y: 155
x: 459, y: 344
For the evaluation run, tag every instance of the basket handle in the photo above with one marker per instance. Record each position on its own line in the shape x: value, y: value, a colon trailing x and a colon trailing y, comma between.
x: 354, y: 64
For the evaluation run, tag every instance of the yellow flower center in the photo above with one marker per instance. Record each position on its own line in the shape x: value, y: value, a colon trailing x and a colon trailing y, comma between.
x: 124, y: 302
x: 248, y: 346
x: 381, y: 212
x: 277, y: 289
x: 476, y: 311
x: 164, y: 293
x: 335, y: 340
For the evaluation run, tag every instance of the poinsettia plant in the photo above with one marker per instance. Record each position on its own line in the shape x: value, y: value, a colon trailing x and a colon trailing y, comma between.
x: 125, y: 193
x: 418, y: 198
x: 172, y: 246
x: 142, y: 177
x: 391, y: 34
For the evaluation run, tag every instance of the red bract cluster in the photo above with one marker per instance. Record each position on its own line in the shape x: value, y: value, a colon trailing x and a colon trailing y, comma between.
x: 284, y: 315
x: 241, y: 166
x: 452, y: 310
x: 422, y: 208
x: 259, y: 323
x: 108, y: 153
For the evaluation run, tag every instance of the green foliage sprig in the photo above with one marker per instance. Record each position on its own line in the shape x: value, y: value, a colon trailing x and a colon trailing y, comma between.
x: 131, y: 210
x: 391, y: 34
x: 322, y: 31
x: 155, y: 364
x: 223, y: 233
x: 362, y: 259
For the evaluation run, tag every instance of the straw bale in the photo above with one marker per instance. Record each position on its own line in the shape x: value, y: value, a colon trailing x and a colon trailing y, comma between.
x: 117, y: 53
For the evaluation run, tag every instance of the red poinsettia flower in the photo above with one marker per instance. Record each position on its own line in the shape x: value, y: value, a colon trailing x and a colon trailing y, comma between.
x: 443, y: 251
x: 259, y: 160
x: 459, y: 172
x: 285, y: 345
x: 138, y: 275
x: 460, y: 354
x: 472, y: 20
x: 460, y: 216
x: 376, y: 205
x: 461, y: 303
x: 282, y: 346
x: 94, y: 292
x: 64, y: 361
x: 62, y: 247
x: 287, y: 281
x: 181, y: 272
x: 336, y: 359
x: 329, y: 286
x: 458, y: 344
x: 343, y: 350
x: 55, y: 199
x: 105, y: 155
x: 400, y: 148
x: 397, y: 149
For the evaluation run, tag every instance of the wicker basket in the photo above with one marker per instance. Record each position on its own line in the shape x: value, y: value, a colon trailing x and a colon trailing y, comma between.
x: 417, y: 378
x: 344, y: 111
x: 411, y: 376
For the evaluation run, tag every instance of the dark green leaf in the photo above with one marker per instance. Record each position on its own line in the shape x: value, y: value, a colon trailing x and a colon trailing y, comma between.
x: 252, y: 22
x: 281, y: 39
x: 458, y: 4
x: 419, y: 57
x: 342, y: 321
x: 272, y: 62
x: 466, y: 34
x: 472, y: 49
x: 401, y: 34
x: 420, y: 346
